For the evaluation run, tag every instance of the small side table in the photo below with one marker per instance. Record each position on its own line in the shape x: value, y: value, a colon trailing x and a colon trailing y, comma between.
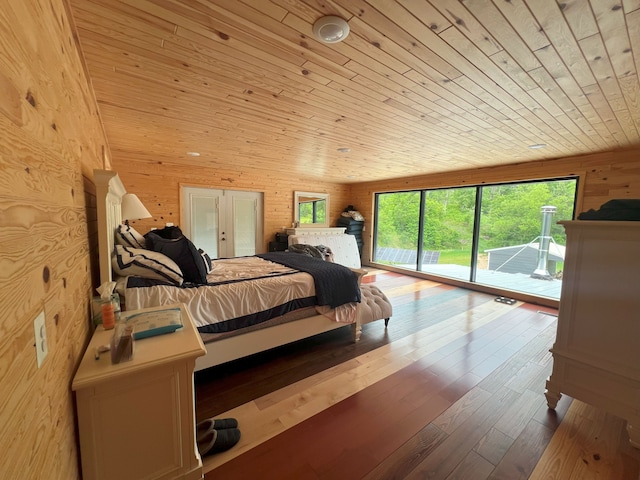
x: 136, y: 419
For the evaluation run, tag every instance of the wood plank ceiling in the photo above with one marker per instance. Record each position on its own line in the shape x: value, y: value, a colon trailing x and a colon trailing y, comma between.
x: 417, y: 87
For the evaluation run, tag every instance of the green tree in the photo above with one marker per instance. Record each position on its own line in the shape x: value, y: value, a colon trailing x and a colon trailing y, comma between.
x: 398, y: 217
x: 510, y: 215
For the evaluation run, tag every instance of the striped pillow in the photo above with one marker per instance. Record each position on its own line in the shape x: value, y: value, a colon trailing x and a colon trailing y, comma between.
x: 145, y: 263
x: 128, y: 236
x: 206, y: 259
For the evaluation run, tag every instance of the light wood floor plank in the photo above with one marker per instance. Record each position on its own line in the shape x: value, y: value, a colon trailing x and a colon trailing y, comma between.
x: 587, y: 446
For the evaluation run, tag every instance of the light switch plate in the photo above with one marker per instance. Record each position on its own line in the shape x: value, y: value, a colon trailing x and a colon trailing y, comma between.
x: 40, y: 331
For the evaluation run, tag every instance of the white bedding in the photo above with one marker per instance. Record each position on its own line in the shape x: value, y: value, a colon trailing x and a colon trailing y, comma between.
x: 211, y: 304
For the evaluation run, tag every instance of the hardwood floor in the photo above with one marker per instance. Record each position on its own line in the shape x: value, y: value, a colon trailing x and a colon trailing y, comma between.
x: 453, y: 389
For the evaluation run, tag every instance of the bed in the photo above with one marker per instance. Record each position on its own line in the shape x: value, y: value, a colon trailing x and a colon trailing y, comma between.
x: 230, y: 344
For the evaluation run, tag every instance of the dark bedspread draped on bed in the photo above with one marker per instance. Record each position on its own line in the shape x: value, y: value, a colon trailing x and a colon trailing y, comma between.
x: 335, y: 284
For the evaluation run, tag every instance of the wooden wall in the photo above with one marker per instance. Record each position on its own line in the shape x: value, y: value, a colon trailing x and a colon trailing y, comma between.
x: 604, y: 176
x: 157, y: 183
x: 50, y: 143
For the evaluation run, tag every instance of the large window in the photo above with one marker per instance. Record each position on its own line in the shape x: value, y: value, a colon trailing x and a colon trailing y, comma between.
x: 503, y: 235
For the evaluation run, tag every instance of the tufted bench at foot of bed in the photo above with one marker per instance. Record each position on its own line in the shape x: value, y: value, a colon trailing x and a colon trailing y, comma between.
x: 374, y: 305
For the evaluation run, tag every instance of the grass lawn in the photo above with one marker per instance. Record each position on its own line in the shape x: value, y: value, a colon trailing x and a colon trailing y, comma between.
x: 455, y: 257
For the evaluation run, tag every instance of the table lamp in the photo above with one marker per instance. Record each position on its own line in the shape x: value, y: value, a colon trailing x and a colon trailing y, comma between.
x: 132, y: 208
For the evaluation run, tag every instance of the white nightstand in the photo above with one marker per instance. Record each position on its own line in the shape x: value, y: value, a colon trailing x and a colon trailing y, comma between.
x: 137, y: 418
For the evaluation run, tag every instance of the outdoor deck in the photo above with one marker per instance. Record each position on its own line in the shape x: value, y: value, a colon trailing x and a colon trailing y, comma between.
x: 509, y: 281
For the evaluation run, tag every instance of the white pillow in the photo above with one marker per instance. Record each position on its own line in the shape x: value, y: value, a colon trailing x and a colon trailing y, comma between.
x: 128, y: 236
x: 145, y: 263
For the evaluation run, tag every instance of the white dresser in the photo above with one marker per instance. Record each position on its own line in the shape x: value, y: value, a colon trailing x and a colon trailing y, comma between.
x: 596, y: 355
x: 136, y: 419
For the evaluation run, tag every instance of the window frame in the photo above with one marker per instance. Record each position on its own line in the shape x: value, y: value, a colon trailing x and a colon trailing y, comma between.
x: 471, y: 282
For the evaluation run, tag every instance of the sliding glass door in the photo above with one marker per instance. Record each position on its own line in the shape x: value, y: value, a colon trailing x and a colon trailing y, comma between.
x: 503, y: 235
x: 448, y: 223
x: 397, y: 218
x: 521, y: 246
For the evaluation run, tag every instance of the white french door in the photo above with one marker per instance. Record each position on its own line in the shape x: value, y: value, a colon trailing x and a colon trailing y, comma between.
x: 224, y: 223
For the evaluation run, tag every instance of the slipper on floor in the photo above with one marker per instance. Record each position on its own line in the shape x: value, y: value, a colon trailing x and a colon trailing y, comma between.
x: 508, y: 301
x: 214, y: 424
x: 218, y: 441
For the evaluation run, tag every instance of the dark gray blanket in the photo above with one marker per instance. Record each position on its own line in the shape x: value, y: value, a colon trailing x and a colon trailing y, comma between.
x: 335, y: 284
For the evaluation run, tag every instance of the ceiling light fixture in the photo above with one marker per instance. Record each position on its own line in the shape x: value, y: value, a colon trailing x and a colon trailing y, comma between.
x: 537, y: 145
x: 193, y: 154
x: 331, y: 29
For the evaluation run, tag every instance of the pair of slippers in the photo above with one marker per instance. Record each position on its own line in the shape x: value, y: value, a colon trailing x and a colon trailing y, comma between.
x: 508, y: 301
x: 216, y: 435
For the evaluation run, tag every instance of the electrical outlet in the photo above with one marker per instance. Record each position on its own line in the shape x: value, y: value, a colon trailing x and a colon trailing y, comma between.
x: 40, y: 331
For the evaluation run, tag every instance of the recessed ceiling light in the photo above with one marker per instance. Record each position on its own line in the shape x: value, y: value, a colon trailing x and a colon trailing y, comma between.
x: 193, y: 154
x: 344, y: 150
x: 537, y: 145
x: 331, y: 29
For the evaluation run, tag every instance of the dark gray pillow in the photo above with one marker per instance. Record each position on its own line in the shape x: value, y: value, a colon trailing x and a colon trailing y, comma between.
x: 183, y: 252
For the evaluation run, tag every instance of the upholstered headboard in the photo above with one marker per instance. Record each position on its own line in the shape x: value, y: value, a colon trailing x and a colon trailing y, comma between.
x: 109, y: 193
x: 344, y: 246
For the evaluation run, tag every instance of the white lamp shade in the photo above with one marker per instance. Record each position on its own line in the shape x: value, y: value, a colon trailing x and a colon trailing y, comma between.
x: 132, y: 207
x: 331, y: 29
